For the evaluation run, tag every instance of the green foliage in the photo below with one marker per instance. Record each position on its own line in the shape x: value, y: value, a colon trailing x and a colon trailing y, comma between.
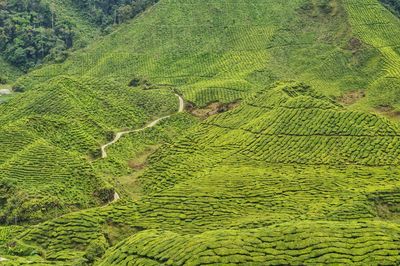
x: 386, y: 92
x: 105, y: 193
x: 48, y: 135
x: 288, y: 177
x: 46, y: 191
x: 30, y: 31
x: 105, y: 13
x: 218, y: 57
x: 96, y: 249
x: 288, y: 162
x: 20, y: 249
x: 393, y: 5
x: 308, y: 243
x: 381, y: 32
x: 36, y: 31
x: 9, y: 73
x: 122, y: 153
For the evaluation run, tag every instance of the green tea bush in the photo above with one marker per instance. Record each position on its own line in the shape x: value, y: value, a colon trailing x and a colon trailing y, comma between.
x: 3, y: 80
x: 304, y: 243
x: 288, y: 177
x: 96, y: 249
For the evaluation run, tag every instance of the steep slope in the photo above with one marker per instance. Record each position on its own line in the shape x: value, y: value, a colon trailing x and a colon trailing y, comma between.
x: 254, y: 167
x: 379, y: 28
x: 222, y: 50
x: 298, y: 173
x: 42, y: 181
x: 329, y: 171
x: 303, y: 243
x: 49, y: 135
x: 188, y: 48
x: 84, y: 30
x: 35, y: 32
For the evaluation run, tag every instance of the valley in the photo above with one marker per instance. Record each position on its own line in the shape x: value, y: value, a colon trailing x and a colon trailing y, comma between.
x: 207, y: 133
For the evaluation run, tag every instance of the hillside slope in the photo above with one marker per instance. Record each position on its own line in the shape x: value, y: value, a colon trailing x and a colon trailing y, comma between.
x: 222, y: 50
x: 302, y: 170
x: 229, y: 183
x: 51, y: 134
x: 34, y: 32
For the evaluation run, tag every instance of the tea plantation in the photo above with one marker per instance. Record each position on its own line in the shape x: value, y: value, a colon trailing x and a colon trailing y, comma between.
x: 50, y: 135
x: 283, y: 244
x: 297, y: 164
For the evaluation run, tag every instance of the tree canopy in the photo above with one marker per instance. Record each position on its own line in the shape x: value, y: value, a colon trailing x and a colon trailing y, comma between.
x: 108, y: 12
x: 394, y: 6
x: 31, y: 31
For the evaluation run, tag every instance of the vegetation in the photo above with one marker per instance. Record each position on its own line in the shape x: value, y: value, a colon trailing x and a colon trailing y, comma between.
x: 302, y: 169
x: 217, y: 57
x: 394, y: 6
x: 35, y: 31
x: 51, y: 130
x: 9, y: 73
x: 30, y: 31
x: 106, y: 13
x: 314, y: 245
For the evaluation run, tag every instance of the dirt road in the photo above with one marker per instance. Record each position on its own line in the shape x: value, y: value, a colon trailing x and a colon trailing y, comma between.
x: 152, y: 124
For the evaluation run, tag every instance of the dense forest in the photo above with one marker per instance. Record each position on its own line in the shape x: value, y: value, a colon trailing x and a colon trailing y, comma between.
x: 393, y: 5
x: 108, y: 12
x: 31, y: 31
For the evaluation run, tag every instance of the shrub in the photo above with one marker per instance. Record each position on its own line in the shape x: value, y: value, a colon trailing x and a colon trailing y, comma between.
x: 18, y: 88
x: 326, y: 7
x: 3, y: 80
x: 105, y: 193
x: 96, y: 249
x: 136, y: 82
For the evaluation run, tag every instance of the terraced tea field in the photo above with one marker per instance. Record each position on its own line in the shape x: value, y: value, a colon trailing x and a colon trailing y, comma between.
x: 332, y: 206
x: 379, y: 28
x: 299, y: 166
x: 304, y: 243
x: 221, y: 51
x: 150, y: 125
x: 49, y: 134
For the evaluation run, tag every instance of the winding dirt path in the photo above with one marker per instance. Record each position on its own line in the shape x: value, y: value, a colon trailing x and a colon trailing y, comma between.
x: 152, y: 124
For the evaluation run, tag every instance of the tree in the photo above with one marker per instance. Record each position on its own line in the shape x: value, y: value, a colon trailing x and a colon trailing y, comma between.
x: 124, y: 13
x: 31, y: 31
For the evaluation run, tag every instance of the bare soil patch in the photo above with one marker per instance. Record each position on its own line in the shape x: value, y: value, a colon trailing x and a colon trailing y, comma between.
x: 388, y: 111
x: 351, y: 97
x: 211, y: 109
